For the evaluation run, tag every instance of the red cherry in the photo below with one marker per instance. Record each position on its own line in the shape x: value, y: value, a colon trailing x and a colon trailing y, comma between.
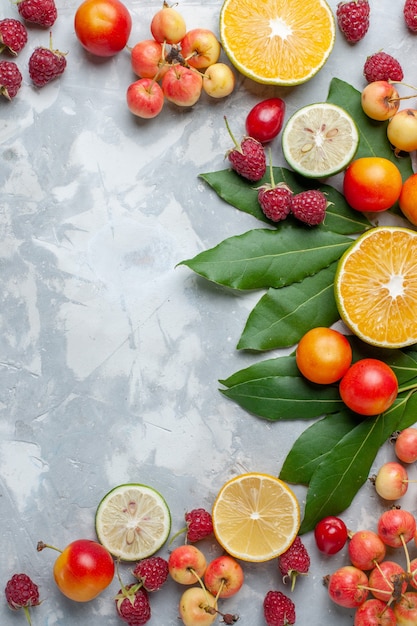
x: 330, y: 534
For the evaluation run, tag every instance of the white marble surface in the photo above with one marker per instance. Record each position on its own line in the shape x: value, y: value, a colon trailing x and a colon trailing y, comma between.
x: 109, y: 353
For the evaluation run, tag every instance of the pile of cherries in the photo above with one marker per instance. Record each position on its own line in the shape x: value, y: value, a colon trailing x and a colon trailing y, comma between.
x: 176, y: 65
x: 382, y: 591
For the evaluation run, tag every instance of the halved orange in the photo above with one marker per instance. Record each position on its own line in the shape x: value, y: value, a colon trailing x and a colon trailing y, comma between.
x: 256, y: 517
x: 279, y: 42
x: 376, y: 287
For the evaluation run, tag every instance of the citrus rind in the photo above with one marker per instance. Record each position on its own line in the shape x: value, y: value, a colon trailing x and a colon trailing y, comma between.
x: 376, y: 287
x: 256, y: 517
x: 320, y: 140
x: 132, y: 521
x: 277, y: 42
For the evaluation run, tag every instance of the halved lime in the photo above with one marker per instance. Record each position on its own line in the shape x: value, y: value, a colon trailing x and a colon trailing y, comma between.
x: 133, y: 521
x: 320, y: 140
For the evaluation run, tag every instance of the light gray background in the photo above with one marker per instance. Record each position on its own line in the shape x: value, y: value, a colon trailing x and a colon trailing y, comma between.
x: 109, y: 353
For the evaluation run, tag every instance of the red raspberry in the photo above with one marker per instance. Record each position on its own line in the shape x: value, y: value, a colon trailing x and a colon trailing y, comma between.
x: 132, y: 605
x: 309, y: 206
x: 275, y: 201
x: 294, y: 561
x: 13, y: 36
x: 279, y: 610
x: 10, y: 79
x: 22, y: 593
x: 45, y: 65
x: 353, y: 19
x: 41, y: 12
x: 382, y: 66
x: 199, y: 525
x: 410, y: 14
x: 247, y: 158
x: 152, y: 572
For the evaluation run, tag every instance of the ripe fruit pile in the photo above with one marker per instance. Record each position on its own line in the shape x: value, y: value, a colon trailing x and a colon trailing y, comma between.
x: 380, y: 589
x: 176, y: 65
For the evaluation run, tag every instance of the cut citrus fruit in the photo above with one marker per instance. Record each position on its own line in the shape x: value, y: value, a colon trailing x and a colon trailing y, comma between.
x: 320, y: 140
x: 133, y: 521
x: 376, y: 287
x: 256, y: 517
x: 279, y: 42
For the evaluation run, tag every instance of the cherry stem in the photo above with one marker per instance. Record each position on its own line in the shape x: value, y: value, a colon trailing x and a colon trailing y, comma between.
x: 407, y: 556
x: 41, y: 546
x: 177, y: 534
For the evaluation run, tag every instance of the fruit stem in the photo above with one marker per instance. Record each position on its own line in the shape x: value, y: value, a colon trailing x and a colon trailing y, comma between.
x: 238, y: 147
x: 41, y: 546
x: 26, y: 611
x: 177, y: 534
x: 271, y: 169
x: 407, y: 556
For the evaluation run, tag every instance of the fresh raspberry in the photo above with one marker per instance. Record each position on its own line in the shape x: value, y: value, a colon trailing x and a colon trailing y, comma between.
x: 247, y: 158
x: 10, y: 79
x: 353, y: 19
x: 132, y: 605
x: 22, y: 593
x: 279, y: 610
x: 45, y: 65
x: 410, y: 14
x: 294, y: 561
x: 382, y: 66
x: 13, y: 36
x: 199, y: 525
x: 275, y: 201
x: 41, y: 12
x: 152, y: 572
x: 309, y: 206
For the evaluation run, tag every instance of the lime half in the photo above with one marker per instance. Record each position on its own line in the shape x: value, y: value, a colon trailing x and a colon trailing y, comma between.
x: 320, y: 140
x: 133, y: 521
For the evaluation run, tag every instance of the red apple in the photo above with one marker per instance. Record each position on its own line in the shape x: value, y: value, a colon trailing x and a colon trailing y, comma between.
x: 145, y: 98
x: 182, y: 85
x: 185, y: 562
x: 406, y: 609
x: 200, y: 48
x: 147, y: 59
x: 223, y: 576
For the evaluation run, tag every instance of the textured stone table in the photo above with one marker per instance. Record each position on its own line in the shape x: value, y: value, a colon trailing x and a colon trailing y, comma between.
x: 110, y: 353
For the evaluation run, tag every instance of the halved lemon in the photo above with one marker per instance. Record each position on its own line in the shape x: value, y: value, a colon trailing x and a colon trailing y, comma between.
x: 279, y: 42
x: 256, y: 517
x: 376, y: 287
x: 133, y: 521
x: 320, y: 140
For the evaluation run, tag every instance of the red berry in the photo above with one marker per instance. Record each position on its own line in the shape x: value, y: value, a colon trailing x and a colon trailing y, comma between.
x: 275, y: 201
x: 45, y: 65
x: 353, y: 19
x: 279, y: 610
x: 132, y: 605
x: 309, y: 206
x: 13, y: 36
x: 294, y: 561
x: 247, y: 159
x: 152, y: 572
x: 10, y: 79
x: 330, y: 534
x: 199, y: 525
x: 410, y: 14
x: 22, y: 593
x: 382, y: 66
x: 41, y: 12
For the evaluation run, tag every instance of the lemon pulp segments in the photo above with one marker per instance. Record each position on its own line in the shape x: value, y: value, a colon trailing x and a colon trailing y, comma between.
x: 320, y: 140
x: 256, y: 517
x: 376, y: 287
x: 279, y: 42
x: 133, y: 521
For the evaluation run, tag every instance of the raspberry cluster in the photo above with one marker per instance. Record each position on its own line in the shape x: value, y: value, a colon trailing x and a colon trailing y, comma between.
x: 45, y: 64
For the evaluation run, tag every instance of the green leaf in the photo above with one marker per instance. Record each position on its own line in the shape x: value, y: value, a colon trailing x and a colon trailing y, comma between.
x: 314, y: 444
x: 344, y: 470
x: 269, y: 258
x: 237, y: 192
x: 372, y: 135
x: 403, y: 364
x: 282, y: 316
x: 281, y: 366
x: 285, y: 397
